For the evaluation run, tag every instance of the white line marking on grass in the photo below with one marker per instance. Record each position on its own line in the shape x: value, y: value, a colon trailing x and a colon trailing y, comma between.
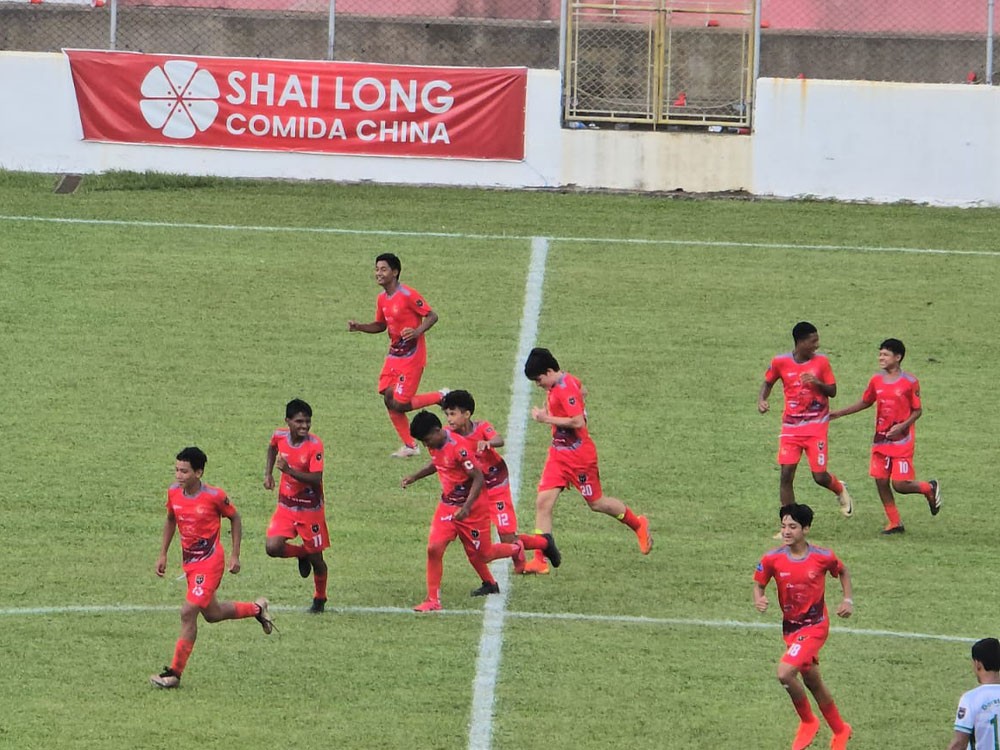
x: 511, y: 237
x: 491, y: 639
x: 673, y: 622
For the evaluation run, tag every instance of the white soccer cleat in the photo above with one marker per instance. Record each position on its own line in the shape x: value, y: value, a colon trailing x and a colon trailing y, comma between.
x: 407, y: 452
x: 846, y: 502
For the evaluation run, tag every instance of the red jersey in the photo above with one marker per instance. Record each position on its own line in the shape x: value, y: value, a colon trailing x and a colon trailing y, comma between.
x: 453, y: 461
x: 199, y: 520
x: 404, y: 308
x: 494, y: 467
x: 807, y: 411
x: 894, y: 402
x: 565, y: 399
x: 307, y: 456
x: 801, y: 584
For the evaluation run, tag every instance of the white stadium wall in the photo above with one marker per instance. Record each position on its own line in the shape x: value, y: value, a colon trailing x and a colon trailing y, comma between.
x: 938, y: 144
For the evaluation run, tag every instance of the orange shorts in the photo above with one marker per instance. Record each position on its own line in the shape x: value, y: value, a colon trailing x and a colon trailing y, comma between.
x: 203, y: 579
x: 401, y: 377
x: 308, y: 525
x: 502, y: 509
x: 804, y: 645
x: 474, y: 530
x: 790, y: 448
x: 585, y: 477
x: 897, y: 468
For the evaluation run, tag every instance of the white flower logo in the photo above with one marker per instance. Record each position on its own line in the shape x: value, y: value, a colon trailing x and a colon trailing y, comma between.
x: 179, y: 99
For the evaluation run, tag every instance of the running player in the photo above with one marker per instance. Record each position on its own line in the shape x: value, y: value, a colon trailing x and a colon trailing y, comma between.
x: 195, y: 509
x: 808, y: 384
x: 979, y: 709
x: 300, y: 512
x: 572, y: 458
x: 483, y: 439
x: 407, y: 316
x: 460, y: 513
x: 799, y: 572
x: 897, y: 394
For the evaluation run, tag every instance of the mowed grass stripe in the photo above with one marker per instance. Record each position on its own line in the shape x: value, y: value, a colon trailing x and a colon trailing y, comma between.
x: 511, y: 237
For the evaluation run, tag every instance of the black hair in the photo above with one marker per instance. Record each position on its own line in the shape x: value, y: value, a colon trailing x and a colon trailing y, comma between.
x: 987, y: 653
x: 801, y: 514
x: 462, y: 400
x: 194, y: 456
x: 423, y: 424
x: 802, y: 330
x: 392, y: 260
x: 895, y: 346
x: 297, y: 406
x: 539, y: 362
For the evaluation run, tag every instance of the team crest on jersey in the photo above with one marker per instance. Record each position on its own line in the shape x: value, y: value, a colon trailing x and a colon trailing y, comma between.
x: 572, y: 400
x: 315, y: 528
x: 961, y: 712
x: 474, y: 533
x: 199, y: 579
x: 319, y: 456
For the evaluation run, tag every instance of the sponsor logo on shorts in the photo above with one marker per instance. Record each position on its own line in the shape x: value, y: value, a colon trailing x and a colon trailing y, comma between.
x: 199, y: 579
x: 474, y: 533
x: 315, y: 528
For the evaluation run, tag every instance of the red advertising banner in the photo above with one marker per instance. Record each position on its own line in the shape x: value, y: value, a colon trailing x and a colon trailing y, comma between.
x: 292, y: 105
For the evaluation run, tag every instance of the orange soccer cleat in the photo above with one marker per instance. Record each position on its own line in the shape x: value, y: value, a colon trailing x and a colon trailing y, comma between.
x: 536, y: 566
x: 839, y: 741
x: 806, y: 734
x: 645, y: 538
x: 431, y: 605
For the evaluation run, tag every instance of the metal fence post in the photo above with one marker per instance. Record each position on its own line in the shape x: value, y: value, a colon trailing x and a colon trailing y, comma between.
x: 113, y: 31
x: 331, y: 31
x: 989, y: 41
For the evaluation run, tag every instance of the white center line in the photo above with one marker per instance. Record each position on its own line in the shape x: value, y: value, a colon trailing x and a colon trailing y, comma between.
x: 491, y: 640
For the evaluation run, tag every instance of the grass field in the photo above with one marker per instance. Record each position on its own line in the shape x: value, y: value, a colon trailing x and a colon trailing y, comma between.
x: 143, y: 314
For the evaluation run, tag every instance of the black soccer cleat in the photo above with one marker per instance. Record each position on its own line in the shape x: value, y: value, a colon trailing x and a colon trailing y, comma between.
x: 305, y: 567
x: 552, y: 551
x: 318, y: 606
x: 890, y: 530
x: 168, y: 678
x: 934, y: 501
x: 486, y: 589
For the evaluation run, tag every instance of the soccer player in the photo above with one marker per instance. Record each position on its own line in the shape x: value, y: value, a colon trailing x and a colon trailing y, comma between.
x: 808, y: 384
x: 460, y: 514
x: 196, y: 510
x: 979, y: 709
x: 897, y: 394
x: 799, y: 572
x: 572, y: 458
x: 483, y: 439
x: 300, y: 512
x: 407, y: 316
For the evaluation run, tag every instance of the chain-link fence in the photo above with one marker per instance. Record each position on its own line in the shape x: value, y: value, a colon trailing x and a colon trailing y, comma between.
x: 927, y: 41
x: 660, y: 61
x: 419, y: 32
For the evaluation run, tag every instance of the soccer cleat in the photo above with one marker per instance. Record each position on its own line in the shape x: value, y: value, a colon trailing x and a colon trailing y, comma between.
x: 444, y: 392
x: 407, y: 452
x: 846, y: 502
x: 552, y: 551
x: 431, y: 605
x: 890, y: 530
x: 839, y: 739
x: 168, y: 678
x: 642, y: 533
x: 262, y: 617
x: 778, y: 535
x: 305, y: 567
x: 934, y: 499
x: 536, y: 566
x: 518, y: 559
x: 805, y: 734
x: 486, y: 589
x: 318, y: 606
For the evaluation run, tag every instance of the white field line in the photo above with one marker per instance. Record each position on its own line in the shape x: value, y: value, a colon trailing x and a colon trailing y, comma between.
x: 491, y: 640
x: 650, y: 622
x: 512, y: 237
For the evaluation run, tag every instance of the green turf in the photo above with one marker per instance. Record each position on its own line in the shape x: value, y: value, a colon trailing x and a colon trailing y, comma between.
x: 126, y: 336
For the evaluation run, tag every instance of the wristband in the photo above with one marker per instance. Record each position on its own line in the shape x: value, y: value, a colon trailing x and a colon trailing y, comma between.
x: 848, y: 601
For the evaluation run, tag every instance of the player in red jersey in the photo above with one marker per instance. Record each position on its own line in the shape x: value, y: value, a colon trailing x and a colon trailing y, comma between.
x: 407, y: 316
x: 799, y: 572
x: 301, y: 512
x: 897, y: 395
x: 572, y: 458
x: 808, y: 383
x: 460, y: 513
x: 483, y: 440
x: 195, y: 510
